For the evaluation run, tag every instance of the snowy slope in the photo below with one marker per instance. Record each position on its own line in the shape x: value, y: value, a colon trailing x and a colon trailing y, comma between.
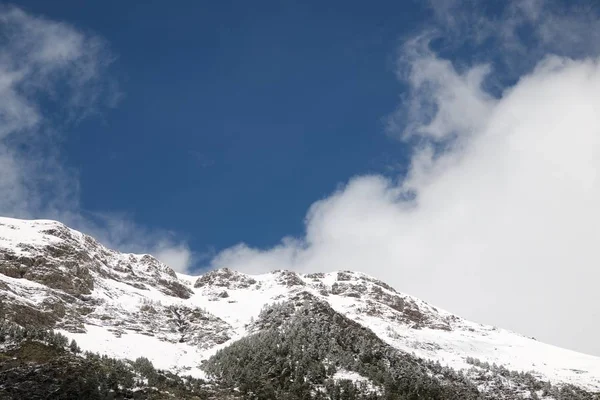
x: 132, y: 305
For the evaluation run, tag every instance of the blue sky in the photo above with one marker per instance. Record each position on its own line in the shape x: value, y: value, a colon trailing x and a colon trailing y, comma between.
x: 448, y: 147
x: 236, y: 116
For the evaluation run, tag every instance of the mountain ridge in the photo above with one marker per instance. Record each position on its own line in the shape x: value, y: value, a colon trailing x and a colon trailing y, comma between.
x: 128, y: 305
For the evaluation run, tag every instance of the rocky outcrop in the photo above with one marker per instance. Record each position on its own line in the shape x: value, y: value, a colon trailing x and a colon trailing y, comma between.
x: 225, y: 278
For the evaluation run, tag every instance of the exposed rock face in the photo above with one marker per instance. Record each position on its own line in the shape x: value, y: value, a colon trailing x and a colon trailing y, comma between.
x: 64, y: 276
x: 73, y: 277
x: 288, y: 278
x: 225, y: 278
x: 61, y: 258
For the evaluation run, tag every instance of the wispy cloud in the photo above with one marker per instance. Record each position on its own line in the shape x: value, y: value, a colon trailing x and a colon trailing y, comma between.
x: 498, y: 216
x: 52, y: 74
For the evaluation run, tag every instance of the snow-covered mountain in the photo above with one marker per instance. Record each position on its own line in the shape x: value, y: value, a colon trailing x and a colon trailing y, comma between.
x: 127, y: 306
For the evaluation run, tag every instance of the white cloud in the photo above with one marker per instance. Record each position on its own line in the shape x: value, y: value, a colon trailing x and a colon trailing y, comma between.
x: 46, y: 62
x: 500, y: 225
x: 444, y: 102
x: 177, y: 256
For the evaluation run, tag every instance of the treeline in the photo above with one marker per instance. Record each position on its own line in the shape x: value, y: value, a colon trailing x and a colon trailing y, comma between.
x: 299, y: 350
x: 39, y: 364
x: 502, y: 380
x: 299, y: 346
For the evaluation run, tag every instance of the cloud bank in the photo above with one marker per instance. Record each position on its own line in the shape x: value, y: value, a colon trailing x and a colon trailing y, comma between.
x: 498, y: 217
x: 52, y: 75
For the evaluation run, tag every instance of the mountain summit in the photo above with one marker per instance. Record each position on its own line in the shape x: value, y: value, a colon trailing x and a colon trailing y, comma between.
x: 252, y: 332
